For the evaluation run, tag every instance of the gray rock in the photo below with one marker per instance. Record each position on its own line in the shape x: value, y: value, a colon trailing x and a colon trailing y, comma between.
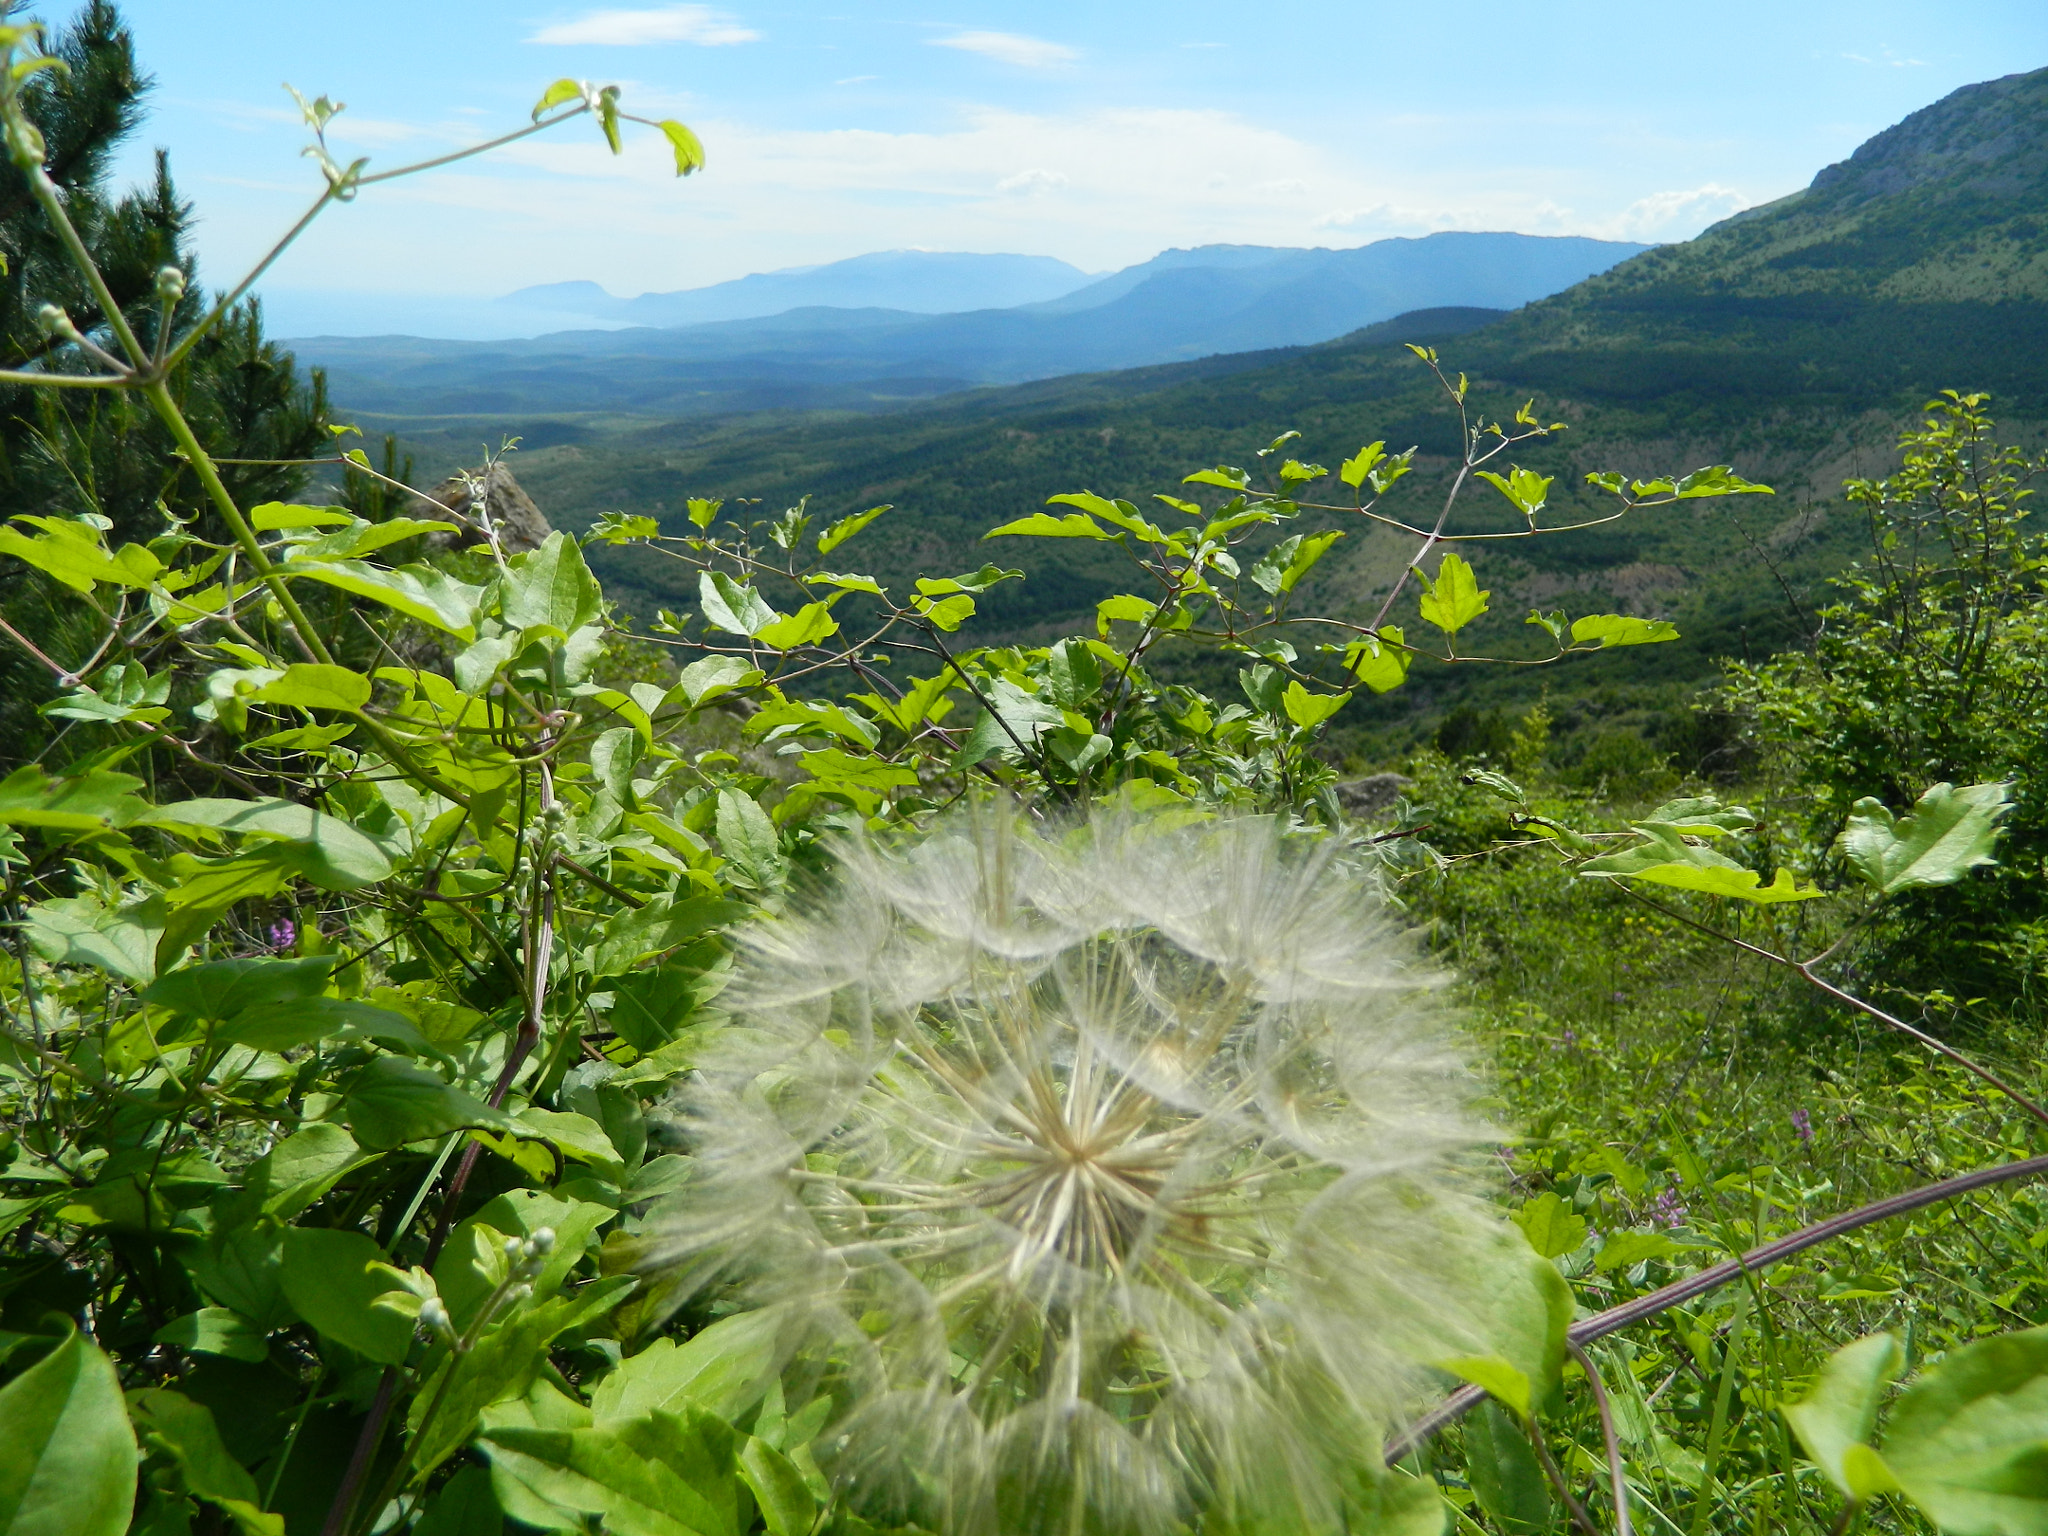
x: 520, y: 525
x: 1372, y: 796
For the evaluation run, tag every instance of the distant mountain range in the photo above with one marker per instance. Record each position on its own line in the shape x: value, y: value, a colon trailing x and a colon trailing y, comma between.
x: 1182, y: 304
x: 916, y: 282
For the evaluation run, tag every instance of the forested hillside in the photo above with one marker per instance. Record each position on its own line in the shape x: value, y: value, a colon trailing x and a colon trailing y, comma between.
x: 1791, y: 341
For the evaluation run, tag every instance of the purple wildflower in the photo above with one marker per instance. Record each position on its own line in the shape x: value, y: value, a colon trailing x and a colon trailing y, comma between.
x: 1667, y: 1210
x: 1803, y: 1126
x: 284, y: 934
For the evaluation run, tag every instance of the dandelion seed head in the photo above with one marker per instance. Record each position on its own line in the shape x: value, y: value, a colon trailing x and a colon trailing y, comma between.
x: 1103, y: 1177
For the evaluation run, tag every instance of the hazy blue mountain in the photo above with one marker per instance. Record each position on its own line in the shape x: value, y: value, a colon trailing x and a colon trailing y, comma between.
x: 916, y: 282
x: 1180, y: 306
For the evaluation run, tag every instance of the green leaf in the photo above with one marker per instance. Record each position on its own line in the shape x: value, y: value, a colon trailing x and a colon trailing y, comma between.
x: 1612, y: 629
x: 632, y: 938
x: 713, y: 677
x: 1839, y: 1411
x: 1703, y: 816
x: 1739, y: 884
x: 1354, y: 469
x: 275, y: 516
x: 1122, y: 608
x: 304, y: 1166
x: 551, y: 588
x: 1073, y: 674
x: 556, y: 95
x: 85, y: 802
x: 1309, y: 710
x: 185, y: 1430
x: 1662, y: 845
x: 1949, y: 833
x: 689, y: 150
x: 787, y: 1505
x: 328, y: 1279
x: 1506, y: 1477
x: 417, y: 591
x: 1223, y: 474
x: 1118, y: 513
x: 216, y: 1331
x: 314, y: 685
x: 839, y: 532
x: 667, y: 1474
x: 392, y: 1102
x: 284, y: 1026
x: 724, y: 1368
x: 1307, y: 552
x: 1718, y: 480
x: 1494, y: 1375
x: 1966, y: 1440
x: 748, y: 839
x: 68, y: 1457
x: 72, y: 553
x: 1454, y: 599
x: 973, y: 581
x: 1625, y: 1250
x: 223, y: 988
x: 330, y: 853
x: 1043, y: 525
x: 1552, y: 1227
x: 807, y: 626
x: 1524, y: 487
x: 948, y: 613
x: 731, y: 607
x: 1379, y: 661
x: 465, y: 1506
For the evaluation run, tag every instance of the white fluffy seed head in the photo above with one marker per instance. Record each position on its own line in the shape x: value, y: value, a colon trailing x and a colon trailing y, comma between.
x: 1107, y: 1178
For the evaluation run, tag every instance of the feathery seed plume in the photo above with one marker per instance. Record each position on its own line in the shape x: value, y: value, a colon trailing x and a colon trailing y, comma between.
x: 1112, y: 1182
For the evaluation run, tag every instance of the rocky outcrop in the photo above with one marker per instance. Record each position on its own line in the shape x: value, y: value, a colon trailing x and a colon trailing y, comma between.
x: 480, y: 500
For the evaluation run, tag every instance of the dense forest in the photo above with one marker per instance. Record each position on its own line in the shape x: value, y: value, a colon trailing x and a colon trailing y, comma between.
x: 903, y: 1010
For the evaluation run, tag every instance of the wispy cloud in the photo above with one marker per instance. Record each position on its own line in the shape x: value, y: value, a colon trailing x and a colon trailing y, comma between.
x: 698, y: 24
x: 1675, y: 215
x: 1035, y: 180
x: 1890, y: 60
x: 1010, y: 48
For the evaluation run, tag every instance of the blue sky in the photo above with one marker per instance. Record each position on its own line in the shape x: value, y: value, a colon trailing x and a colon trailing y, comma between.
x: 1099, y: 133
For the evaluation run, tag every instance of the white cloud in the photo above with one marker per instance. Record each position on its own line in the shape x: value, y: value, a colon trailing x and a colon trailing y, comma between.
x: 1100, y: 188
x: 1675, y: 215
x: 1010, y: 48
x: 1034, y: 180
x: 697, y: 24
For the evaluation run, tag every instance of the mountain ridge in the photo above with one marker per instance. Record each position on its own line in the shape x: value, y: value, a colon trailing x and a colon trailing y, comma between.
x: 1183, y: 305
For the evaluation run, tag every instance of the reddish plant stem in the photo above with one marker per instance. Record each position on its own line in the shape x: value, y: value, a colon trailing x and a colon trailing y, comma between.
x: 1629, y: 1313
x: 1615, y: 1474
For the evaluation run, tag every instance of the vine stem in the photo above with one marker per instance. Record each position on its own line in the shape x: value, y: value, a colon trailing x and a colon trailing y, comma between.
x: 1615, y: 1475
x: 1629, y: 1313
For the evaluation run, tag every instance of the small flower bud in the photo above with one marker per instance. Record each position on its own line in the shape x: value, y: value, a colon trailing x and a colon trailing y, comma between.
x: 24, y: 144
x: 515, y: 1248
x: 52, y: 321
x: 170, y: 284
x: 434, y: 1316
x: 542, y: 1242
